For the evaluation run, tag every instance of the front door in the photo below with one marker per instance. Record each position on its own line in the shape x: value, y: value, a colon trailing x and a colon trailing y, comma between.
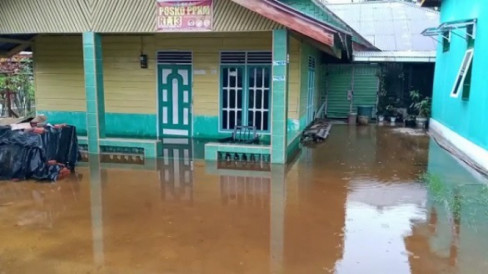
x: 174, y: 85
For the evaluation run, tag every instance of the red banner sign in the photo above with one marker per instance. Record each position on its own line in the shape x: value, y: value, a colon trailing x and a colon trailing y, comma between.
x: 184, y: 15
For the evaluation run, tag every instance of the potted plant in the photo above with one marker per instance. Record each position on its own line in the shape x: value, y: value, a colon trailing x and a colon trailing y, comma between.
x: 392, y: 113
x: 423, y: 110
x: 421, y: 106
x: 381, y: 118
x: 410, y: 121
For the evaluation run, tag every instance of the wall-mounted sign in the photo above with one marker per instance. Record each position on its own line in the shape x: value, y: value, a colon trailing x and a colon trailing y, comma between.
x: 184, y: 15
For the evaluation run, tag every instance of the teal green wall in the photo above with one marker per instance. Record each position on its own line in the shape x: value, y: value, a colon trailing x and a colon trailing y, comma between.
x: 469, y: 118
x: 296, y: 126
x: 207, y: 127
x: 117, y: 124
x: 74, y: 118
x: 339, y: 80
x: 279, y: 97
x: 94, y: 93
x: 131, y: 125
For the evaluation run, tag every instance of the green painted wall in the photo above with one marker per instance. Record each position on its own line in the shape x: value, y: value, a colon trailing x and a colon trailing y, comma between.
x: 279, y: 97
x: 296, y: 126
x: 117, y: 124
x: 468, y: 118
x: 339, y: 81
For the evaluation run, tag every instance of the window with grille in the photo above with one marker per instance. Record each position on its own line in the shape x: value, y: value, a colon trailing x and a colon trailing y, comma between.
x: 245, y: 90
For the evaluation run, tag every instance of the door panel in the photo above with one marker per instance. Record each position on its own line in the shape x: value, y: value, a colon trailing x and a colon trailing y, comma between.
x: 175, y: 100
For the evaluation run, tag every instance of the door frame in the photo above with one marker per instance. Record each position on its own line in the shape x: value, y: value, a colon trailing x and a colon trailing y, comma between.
x: 159, y: 129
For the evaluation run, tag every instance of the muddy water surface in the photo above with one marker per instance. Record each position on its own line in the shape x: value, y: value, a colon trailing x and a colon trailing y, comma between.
x: 366, y: 201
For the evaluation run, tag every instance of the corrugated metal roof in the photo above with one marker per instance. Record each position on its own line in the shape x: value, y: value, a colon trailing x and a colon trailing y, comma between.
x: 390, y: 25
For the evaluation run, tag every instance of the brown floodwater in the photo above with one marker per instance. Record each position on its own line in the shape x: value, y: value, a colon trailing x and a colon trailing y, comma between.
x: 368, y: 200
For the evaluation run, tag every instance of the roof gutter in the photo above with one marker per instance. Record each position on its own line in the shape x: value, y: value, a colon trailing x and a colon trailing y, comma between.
x: 400, y: 57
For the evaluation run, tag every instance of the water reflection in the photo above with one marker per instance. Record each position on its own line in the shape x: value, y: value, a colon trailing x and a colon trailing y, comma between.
x: 355, y: 204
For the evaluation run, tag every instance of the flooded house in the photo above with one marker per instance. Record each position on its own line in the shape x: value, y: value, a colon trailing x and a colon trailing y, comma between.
x: 131, y: 74
x: 460, y: 99
x: 144, y: 76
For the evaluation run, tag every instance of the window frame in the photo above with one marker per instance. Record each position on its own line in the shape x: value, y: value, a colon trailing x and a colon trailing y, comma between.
x: 456, y: 91
x: 446, y: 41
x: 245, y: 95
x: 242, y: 67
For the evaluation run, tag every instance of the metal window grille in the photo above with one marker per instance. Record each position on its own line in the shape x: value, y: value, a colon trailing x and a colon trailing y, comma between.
x: 259, y: 95
x: 246, y: 89
x: 232, y: 88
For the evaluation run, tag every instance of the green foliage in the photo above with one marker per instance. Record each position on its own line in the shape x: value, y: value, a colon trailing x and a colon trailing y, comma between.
x: 422, y: 106
x: 459, y: 198
x: 16, y: 79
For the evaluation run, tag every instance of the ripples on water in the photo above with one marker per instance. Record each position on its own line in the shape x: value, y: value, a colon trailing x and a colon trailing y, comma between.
x: 365, y: 201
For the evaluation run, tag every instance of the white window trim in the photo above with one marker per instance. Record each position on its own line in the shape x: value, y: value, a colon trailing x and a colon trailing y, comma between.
x: 455, y: 93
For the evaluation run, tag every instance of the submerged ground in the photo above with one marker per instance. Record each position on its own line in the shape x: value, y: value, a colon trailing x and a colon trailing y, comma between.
x: 369, y: 200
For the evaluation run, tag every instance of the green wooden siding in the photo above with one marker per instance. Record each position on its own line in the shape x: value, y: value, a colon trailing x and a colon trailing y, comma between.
x: 309, y: 8
x: 339, y: 81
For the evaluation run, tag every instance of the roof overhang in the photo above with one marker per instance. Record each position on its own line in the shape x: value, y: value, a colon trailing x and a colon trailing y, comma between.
x: 395, y: 56
x: 430, y: 3
x: 13, y: 44
x: 451, y: 27
x: 294, y: 20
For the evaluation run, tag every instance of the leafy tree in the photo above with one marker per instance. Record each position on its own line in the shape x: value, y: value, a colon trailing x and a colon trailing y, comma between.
x: 16, y: 86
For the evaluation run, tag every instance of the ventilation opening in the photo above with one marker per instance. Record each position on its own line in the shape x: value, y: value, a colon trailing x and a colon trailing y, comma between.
x: 233, y: 57
x: 241, y: 57
x: 311, y: 62
x: 259, y: 57
x: 174, y: 57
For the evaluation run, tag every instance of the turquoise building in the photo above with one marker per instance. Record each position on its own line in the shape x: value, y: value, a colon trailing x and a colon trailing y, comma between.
x: 460, y: 99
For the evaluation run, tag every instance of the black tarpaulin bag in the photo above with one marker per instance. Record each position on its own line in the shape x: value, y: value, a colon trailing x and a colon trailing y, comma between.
x: 26, y: 154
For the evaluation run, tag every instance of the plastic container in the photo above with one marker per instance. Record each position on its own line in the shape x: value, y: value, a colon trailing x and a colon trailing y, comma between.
x: 365, y: 111
x: 352, y: 118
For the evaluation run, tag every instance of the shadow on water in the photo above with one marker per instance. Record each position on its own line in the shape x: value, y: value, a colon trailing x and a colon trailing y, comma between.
x: 368, y: 200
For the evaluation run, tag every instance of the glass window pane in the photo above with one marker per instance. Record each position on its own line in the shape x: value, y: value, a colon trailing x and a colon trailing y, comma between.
x: 259, y: 99
x: 250, y: 118
x: 266, y: 120
x: 239, y: 99
x: 239, y: 76
x: 259, y: 79
x: 251, y: 99
x: 232, y: 98
x: 225, y: 75
x: 239, y: 118
x: 267, y: 74
x: 258, y: 120
x: 233, y: 75
x: 232, y: 120
x: 225, y: 97
x: 224, y: 119
x: 266, y: 99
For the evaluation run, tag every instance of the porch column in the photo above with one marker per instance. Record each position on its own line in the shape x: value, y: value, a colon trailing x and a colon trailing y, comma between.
x: 279, y: 114
x: 95, y: 103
